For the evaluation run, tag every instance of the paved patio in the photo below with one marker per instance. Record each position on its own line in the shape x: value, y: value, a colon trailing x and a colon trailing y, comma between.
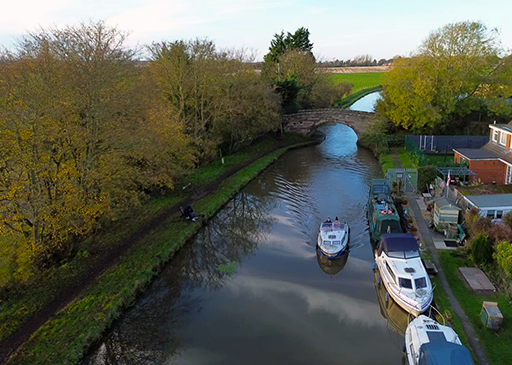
x: 476, y: 279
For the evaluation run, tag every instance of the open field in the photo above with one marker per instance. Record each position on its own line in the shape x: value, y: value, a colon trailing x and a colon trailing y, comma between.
x: 357, y: 69
x: 361, y: 80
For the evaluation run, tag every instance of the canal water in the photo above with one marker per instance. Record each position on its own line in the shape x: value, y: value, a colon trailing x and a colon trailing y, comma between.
x: 251, y: 288
x: 366, y: 103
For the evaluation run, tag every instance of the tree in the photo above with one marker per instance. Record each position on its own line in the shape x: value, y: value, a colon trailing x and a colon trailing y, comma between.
x: 282, y: 44
x: 456, y: 70
x: 481, y: 250
x: 503, y: 256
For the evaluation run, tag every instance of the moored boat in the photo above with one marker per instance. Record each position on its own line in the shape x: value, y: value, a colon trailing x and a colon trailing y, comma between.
x: 428, y: 342
x: 402, y: 272
x: 382, y: 214
x: 333, y: 239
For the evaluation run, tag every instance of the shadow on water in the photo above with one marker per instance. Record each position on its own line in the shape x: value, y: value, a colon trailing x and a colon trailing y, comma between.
x: 247, y: 288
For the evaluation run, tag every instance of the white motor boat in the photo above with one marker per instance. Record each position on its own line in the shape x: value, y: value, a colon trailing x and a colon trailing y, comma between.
x: 429, y: 343
x: 402, y: 272
x: 333, y: 239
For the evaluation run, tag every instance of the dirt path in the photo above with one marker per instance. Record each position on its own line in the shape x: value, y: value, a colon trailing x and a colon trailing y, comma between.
x: 459, y: 312
x: 26, y: 330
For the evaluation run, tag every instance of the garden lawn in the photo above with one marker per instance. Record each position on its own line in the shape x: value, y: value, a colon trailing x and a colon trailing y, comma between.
x: 386, y: 162
x: 405, y: 157
x: 440, y: 160
x: 498, y: 346
x: 362, y: 80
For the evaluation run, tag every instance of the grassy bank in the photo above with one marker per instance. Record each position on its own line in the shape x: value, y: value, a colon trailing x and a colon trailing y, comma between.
x: 361, y: 80
x: 406, y: 160
x: 496, y: 345
x: 48, y: 284
x: 386, y: 162
x: 65, y: 337
x: 352, y: 98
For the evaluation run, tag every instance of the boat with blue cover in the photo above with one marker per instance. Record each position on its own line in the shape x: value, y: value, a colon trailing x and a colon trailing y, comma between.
x: 428, y: 342
x: 403, y: 273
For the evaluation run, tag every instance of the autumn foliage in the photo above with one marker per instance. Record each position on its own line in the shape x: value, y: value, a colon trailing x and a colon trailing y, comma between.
x: 86, y: 132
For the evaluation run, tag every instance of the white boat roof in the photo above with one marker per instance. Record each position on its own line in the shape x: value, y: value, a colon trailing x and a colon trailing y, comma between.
x: 427, y: 330
x: 409, y: 268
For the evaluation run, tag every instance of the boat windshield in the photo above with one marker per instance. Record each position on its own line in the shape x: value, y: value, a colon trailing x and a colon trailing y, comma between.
x: 404, y: 254
x: 332, y: 226
x: 390, y: 226
x: 380, y: 189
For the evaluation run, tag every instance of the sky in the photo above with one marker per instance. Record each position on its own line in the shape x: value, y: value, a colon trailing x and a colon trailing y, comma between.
x: 339, y: 29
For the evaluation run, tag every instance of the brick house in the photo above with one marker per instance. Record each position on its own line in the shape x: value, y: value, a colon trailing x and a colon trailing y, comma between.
x: 493, y: 162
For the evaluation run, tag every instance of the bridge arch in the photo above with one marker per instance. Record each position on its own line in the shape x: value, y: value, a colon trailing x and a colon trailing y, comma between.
x: 306, y: 121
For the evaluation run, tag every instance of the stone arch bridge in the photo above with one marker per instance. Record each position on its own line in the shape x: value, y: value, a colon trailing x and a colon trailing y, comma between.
x: 305, y: 122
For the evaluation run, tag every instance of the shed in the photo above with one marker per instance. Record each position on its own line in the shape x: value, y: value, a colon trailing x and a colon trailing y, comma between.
x: 445, y: 212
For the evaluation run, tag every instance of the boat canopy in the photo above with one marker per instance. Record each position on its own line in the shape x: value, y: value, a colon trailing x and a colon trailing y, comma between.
x: 399, y: 245
x: 444, y: 353
x: 380, y: 186
x: 330, y: 226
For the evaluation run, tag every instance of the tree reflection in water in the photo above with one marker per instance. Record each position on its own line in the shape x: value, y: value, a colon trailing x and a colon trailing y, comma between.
x: 146, y: 334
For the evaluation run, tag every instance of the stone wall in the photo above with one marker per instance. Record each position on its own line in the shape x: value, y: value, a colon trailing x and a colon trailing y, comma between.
x: 305, y: 122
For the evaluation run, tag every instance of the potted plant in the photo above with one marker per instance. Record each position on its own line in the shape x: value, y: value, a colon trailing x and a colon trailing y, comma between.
x: 405, y: 201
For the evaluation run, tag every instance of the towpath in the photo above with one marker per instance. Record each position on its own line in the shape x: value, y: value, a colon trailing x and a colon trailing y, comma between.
x: 426, y: 238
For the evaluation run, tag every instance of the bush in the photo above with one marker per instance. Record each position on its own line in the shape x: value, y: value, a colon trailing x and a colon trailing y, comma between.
x: 507, y: 219
x: 404, y: 201
x: 499, y: 233
x: 481, y: 250
x: 481, y: 225
x: 426, y: 175
x: 503, y: 256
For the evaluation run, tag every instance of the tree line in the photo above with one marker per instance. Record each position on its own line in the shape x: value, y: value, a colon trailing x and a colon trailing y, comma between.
x: 359, y: 60
x: 86, y: 133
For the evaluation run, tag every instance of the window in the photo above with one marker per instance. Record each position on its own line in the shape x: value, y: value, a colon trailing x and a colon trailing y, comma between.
x: 405, y: 283
x: 503, y: 138
x: 490, y: 214
x: 420, y: 283
x: 394, y: 226
x: 391, y: 272
x: 499, y: 214
x: 495, y: 135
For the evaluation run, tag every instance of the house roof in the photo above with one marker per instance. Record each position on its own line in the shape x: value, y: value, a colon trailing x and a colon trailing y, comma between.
x: 444, y: 203
x: 503, y: 127
x: 487, y: 189
x: 475, y: 154
x: 499, y: 151
x: 491, y: 201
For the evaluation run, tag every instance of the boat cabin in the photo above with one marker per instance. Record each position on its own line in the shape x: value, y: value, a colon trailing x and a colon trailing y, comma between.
x: 406, y: 273
x: 332, y: 234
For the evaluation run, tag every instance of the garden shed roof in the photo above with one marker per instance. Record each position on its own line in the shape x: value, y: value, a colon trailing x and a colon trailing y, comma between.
x: 491, y: 201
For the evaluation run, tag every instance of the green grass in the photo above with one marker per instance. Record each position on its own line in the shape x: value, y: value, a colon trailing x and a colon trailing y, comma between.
x: 405, y: 157
x: 497, y: 345
x: 361, y: 80
x: 48, y: 284
x: 352, y: 98
x: 440, y: 160
x: 386, y: 162
x: 66, y: 336
x: 443, y: 305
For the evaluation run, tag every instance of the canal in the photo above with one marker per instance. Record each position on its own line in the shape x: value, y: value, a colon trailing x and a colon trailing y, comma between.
x: 251, y: 289
x: 366, y: 103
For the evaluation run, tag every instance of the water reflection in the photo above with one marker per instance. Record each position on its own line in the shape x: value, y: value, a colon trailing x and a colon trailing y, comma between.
x: 396, y: 316
x: 366, y: 103
x: 248, y: 288
x: 331, y: 267
x: 147, y: 333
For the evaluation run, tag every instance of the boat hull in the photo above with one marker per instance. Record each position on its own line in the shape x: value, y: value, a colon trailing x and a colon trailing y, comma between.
x: 406, y: 303
x: 330, y: 255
